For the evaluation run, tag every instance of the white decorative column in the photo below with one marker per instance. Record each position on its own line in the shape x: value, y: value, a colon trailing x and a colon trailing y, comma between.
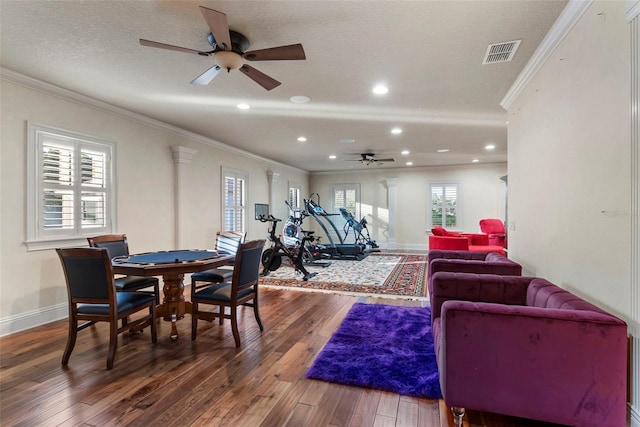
x: 273, y: 178
x: 391, y: 204
x: 182, y: 157
x: 633, y: 17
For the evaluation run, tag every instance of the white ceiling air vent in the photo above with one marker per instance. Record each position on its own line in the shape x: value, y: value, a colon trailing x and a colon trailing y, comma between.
x: 501, y: 52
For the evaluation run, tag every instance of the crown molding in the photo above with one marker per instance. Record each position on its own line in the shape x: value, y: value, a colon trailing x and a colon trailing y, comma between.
x: 563, y: 25
x: 50, y: 89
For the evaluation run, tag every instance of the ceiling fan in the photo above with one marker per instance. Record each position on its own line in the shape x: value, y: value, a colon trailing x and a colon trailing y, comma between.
x: 230, y: 51
x: 369, y: 159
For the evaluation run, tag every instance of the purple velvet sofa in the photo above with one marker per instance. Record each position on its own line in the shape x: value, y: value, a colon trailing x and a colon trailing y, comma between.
x: 524, y: 347
x: 470, y: 262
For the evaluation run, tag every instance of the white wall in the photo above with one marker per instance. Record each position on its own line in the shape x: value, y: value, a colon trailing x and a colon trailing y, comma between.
x: 570, y: 162
x: 31, y: 283
x: 482, y: 195
x: 569, y: 168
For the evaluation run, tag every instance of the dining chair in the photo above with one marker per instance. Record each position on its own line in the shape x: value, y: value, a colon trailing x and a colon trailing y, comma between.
x: 93, y: 298
x: 117, y: 245
x: 227, y: 243
x: 242, y: 290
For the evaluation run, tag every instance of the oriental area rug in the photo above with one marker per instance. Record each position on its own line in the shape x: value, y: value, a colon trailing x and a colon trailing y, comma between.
x: 383, y: 347
x: 385, y: 275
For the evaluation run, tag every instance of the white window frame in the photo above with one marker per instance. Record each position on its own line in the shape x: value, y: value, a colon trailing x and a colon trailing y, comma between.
x: 293, y: 195
x: 444, y: 186
x: 39, y: 238
x: 237, y: 175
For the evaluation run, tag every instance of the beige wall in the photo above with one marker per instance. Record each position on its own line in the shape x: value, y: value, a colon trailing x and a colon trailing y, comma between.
x: 569, y: 168
x: 482, y: 195
x: 32, y: 286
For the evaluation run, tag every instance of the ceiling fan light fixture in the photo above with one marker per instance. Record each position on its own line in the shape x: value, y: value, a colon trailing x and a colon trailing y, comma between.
x: 228, y: 60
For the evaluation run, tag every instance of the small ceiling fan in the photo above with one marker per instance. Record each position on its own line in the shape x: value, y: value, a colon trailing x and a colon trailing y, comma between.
x: 369, y: 159
x: 230, y: 51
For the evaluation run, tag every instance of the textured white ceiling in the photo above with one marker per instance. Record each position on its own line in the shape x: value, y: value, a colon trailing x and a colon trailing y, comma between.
x: 429, y: 53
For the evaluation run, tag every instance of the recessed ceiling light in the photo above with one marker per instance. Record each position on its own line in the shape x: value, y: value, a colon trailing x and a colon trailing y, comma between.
x: 302, y: 139
x: 409, y: 163
x: 489, y: 147
x: 475, y: 160
x: 404, y: 152
x: 243, y: 106
x: 443, y: 150
x: 396, y: 131
x: 347, y: 141
x: 300, y: 99
x: 332, y: 157
x: 380, y: 89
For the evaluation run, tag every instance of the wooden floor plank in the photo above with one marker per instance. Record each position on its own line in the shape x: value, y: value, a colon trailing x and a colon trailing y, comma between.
x: 207, y: 382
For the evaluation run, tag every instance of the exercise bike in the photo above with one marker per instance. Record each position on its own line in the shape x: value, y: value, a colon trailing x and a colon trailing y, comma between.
x: 272, y: 257
x: 291, y: 236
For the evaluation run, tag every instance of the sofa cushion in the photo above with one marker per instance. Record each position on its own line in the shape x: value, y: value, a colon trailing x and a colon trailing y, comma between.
x: 440, y: 231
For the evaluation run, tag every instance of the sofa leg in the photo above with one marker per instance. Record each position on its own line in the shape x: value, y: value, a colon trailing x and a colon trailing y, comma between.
x: 458, y: 413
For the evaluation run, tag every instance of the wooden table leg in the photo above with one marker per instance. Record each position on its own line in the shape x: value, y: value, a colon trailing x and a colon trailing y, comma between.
x: 173, y: 306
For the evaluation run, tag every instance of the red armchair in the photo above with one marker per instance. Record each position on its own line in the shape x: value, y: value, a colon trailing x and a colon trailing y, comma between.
x: 454, y: 241
x: 494, y: 228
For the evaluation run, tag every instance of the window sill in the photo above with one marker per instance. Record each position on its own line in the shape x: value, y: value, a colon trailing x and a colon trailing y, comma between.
x: 54, y: 243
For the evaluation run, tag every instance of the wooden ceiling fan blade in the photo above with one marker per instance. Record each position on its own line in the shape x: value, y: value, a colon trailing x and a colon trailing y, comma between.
x: 281, y: 53
x: 219, y: 27
x: 206, y: 77
x: 383, y: 160
x: 150, y: 43
x: 259, y: 77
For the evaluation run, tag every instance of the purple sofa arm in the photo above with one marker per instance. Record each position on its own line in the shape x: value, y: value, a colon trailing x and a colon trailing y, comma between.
x: 556, y: 365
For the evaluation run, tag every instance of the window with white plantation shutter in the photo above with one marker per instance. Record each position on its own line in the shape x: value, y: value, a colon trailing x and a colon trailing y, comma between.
x: 71, y: 190
x: 234, y: 184
x: 444, y: 205
x: 294, y: 195
x: 345, y: 196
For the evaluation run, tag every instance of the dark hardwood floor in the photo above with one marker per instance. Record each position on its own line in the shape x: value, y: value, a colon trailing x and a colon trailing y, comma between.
x: 207, y: 382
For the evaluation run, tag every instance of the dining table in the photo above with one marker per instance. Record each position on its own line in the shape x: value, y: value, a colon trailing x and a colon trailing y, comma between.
x: 172, y: 265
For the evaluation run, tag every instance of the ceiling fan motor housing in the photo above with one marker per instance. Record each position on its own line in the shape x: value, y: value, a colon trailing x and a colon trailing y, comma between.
x: 239, y: 43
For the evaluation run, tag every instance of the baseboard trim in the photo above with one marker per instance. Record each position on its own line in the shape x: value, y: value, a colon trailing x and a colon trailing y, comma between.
x: 409, y: 246
x: 31, y: 319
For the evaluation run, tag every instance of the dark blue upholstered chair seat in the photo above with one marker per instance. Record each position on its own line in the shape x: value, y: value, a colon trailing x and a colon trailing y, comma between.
x: 215, y: 275
x: 133, y: 283
x: 220, y: 292
x: 125, y: 301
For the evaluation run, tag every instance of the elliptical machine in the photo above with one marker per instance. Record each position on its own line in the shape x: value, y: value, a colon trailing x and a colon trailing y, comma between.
x: 272, y: 257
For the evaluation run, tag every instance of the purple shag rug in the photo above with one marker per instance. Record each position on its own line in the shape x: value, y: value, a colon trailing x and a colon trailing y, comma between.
x: 384, y: 347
